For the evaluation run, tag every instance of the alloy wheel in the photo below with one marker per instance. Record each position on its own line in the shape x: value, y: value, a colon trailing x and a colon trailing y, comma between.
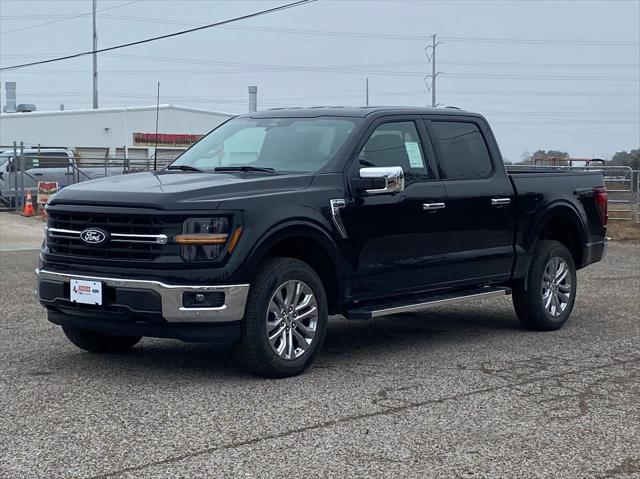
x: 292, y: 319
x: 556, y: 286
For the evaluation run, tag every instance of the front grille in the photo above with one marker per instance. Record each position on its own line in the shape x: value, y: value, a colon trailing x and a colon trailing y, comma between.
x: 132, y: 237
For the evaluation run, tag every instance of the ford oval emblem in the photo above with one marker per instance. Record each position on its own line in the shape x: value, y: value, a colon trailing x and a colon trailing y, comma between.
x: 93, y: 236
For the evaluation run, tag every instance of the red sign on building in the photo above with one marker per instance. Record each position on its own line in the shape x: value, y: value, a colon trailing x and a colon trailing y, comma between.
x: 165, y: 139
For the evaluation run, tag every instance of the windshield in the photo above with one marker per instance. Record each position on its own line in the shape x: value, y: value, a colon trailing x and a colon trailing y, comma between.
x: 302, y: 145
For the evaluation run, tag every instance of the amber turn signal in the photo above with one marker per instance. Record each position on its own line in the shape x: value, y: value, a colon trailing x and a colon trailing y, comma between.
x: 201, y: 238
x: 235, y: 236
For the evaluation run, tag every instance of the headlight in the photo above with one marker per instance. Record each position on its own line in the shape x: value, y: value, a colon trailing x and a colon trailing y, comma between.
x: 206, y: 238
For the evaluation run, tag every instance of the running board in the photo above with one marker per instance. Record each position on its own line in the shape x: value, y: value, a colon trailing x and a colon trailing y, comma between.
x: 372, y: 310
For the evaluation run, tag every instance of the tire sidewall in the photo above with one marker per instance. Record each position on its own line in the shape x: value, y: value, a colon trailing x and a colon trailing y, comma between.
x: 275, y: 274
x: 535, y: 282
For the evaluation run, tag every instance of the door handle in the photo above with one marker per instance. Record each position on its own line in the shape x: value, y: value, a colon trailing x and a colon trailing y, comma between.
x: 432, y: 206
x: 500, y: 201
x: 37, y: 174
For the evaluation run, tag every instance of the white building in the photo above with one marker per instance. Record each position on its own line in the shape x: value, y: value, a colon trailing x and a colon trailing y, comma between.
x: 110, y: 131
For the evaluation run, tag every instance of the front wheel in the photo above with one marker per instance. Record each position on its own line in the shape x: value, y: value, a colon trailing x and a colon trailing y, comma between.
x: 544, y: 300
x: 285, y: 319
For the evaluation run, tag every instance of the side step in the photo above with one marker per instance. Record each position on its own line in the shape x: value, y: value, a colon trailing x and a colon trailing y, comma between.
x: 409, y: 304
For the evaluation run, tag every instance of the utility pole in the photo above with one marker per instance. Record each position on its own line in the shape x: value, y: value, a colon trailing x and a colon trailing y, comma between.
x: 155, y: 150
x: 430, y: 80
x: 95, y: 58
x: 366, y: 100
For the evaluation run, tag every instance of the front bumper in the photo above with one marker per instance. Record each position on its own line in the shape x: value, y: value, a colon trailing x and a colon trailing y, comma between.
x: 170, y: 305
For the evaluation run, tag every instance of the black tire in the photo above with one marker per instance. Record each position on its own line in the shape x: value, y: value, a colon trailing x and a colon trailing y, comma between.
x: 254, y: 350
x: 96, y: 342
x: 529, y: 295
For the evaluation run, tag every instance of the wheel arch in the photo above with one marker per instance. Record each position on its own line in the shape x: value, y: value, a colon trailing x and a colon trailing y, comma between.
x: 562, y: 222
x: 308, y: 242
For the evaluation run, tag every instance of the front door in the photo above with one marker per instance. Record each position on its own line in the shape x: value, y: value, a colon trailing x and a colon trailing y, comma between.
x: 398, y: 240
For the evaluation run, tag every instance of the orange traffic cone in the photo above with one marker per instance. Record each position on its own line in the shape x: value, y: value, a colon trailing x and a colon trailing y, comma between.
x: 28, y: 205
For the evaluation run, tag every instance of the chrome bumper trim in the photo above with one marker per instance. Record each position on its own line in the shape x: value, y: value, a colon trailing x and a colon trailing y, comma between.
x: 235, y: 297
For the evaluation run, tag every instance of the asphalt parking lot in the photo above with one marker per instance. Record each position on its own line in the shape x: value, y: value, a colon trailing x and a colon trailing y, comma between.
x: 462, y: 391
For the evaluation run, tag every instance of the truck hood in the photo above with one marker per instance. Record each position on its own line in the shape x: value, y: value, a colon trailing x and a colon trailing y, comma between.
x: 178, y: 190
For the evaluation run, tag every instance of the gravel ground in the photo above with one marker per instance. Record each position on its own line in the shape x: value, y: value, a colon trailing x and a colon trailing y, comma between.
x: 20, y: 233
x: 462, y: 391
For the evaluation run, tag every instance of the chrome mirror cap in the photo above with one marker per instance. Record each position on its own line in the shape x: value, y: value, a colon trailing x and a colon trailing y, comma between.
x: 393, y: 177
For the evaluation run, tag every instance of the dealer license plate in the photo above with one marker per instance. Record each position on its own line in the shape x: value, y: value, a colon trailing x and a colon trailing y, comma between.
x: 86, y: 292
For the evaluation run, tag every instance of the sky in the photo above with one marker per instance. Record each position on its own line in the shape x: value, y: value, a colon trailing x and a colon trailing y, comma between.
x: 547, y: 74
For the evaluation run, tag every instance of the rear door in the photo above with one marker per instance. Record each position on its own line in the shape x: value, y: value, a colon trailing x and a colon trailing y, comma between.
x: 480, y: 200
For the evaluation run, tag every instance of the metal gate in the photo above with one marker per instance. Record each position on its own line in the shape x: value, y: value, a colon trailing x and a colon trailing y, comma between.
x: 637, y: 173
x: 619, y: 181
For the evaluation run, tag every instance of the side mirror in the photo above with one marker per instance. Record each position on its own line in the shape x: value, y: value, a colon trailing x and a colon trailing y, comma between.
x: 383, y: 179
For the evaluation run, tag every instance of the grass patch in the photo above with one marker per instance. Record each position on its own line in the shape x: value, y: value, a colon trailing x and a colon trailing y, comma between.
x: 623, y: 230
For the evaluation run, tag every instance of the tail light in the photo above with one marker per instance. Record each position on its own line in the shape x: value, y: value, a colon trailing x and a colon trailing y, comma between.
x: 600, y: 194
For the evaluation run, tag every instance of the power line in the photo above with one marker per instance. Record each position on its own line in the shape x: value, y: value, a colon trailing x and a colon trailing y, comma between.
x: 465, y: 39
x: 266, y: 68
x: 198, y: 61
x: 32, y: 17
x: 273, y: 100
x: 546, y: 41
x: 161, y: 37
x: 29, y: 27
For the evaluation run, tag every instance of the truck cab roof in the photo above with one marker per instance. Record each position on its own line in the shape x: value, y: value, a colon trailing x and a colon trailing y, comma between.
x: 355, y: 111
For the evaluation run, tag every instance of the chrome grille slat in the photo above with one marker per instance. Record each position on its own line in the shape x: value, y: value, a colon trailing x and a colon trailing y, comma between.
x: 131, y: 237
x: 114, y: 237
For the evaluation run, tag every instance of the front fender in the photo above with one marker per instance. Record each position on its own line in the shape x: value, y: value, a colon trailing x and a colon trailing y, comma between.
x: 296, y: 227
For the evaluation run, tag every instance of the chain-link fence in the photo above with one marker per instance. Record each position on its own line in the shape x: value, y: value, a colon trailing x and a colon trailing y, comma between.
x: 20, y: 174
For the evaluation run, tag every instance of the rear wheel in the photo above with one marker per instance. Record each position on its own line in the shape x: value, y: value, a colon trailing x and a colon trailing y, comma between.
x: 96, y: 342
x: 285, y: 319
x: 545, y: 299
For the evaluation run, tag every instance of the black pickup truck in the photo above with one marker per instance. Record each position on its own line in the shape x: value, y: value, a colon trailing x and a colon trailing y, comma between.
x: 278, y: 219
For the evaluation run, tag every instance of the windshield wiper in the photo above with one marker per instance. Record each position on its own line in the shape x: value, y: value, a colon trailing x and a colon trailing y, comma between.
x: 244, y: 169
x: 185, y: 168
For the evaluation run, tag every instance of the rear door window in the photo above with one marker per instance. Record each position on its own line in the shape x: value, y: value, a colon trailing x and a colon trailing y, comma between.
x: 43, y: 160
x: 52, y: 160
x: 461, y: 149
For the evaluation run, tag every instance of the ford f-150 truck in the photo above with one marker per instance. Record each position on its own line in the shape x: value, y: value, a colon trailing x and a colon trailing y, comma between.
x: 276, y: 220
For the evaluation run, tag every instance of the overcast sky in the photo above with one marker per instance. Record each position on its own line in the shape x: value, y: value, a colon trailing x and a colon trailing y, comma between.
x: 547, y: 74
